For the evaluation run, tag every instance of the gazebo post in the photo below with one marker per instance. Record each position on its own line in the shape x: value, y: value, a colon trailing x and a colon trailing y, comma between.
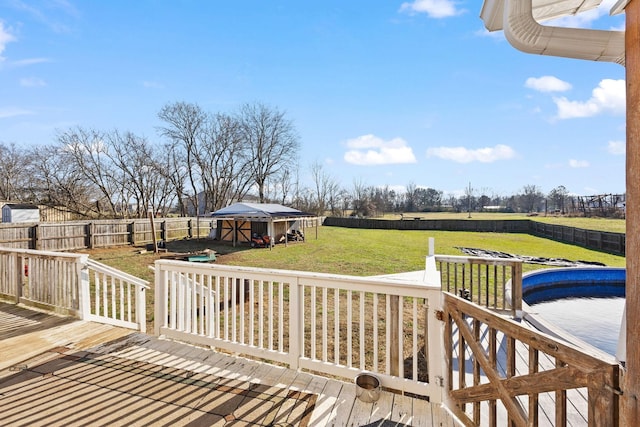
x: 631, y: 386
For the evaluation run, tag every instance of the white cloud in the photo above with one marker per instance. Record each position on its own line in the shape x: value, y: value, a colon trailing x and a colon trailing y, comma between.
x: 368, y: 150
x: 32, y: 82
x: 547, y: 84
x: 578, y: 163
x: 466, y: 155
x: 5, y: 38
x: 152, y: 84
x: 433, y: 8
x: 27, y: 62
x: 9, y: 112
x: 616, y: 147
x: 610, y: 95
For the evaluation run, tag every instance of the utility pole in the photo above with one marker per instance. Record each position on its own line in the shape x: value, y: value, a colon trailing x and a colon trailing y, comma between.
x: 469, y: 200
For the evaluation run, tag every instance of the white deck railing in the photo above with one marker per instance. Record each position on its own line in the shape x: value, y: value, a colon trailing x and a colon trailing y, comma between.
x: 72, y: 284
x: 332, y: 324
x: 114, y: 297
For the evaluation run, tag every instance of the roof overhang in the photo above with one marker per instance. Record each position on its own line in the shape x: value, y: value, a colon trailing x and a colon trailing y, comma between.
x: 618, y: 8
x: 492, y: 12
x: 519, y: 19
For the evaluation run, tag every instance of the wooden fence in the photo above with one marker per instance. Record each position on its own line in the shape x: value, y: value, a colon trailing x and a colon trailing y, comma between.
x: 613, y: 243
x: 67, y: 236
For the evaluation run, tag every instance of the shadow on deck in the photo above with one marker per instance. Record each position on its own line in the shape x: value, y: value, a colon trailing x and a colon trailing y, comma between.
x: 59, y: 371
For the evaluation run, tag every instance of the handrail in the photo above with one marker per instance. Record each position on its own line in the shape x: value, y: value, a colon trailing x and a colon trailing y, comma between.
x: 103, y: 268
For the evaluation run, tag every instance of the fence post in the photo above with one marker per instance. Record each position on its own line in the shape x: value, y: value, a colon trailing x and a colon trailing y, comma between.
x: 36, y: 238
x: 84, y: 293
x: 89, y: 235
x: 163, y: 231
x: 132, y: 232
x: 189, y: 229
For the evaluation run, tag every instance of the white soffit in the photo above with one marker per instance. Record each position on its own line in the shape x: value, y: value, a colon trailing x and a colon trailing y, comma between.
x: 492, y: 13
x: 618, y: 8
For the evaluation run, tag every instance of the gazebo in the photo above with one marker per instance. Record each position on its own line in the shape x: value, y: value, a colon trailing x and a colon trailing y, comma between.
x: 238, y: 222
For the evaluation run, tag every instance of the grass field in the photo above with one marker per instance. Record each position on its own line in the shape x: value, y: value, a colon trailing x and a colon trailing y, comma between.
x: 358, y: 252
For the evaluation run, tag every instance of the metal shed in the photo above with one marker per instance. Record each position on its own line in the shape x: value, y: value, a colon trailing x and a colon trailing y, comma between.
x: 17, y: 212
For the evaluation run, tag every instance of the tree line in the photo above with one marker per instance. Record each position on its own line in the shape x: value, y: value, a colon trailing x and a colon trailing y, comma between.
x: 203, y: 161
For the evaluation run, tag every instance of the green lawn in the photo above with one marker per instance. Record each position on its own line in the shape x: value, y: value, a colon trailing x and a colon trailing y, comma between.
x: 362, y: 252
x: 371, y: 252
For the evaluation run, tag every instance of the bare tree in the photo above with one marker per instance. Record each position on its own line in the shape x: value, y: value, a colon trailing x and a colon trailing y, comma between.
x: 558, y: 197
x: 88, y: 150
x: 272, y: 142
x: 185, y: 125
x: 175, y: 171
x: 530, y: 198
x: 57, y: 182
x: 145, y: 186
x: 13, y: 177
x: 326, y: 188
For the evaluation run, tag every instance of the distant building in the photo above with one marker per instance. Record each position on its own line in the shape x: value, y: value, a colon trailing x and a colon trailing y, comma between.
x: 16, y: 212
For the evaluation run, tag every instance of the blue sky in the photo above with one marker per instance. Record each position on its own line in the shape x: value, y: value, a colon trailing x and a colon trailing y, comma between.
x: 381, y: 92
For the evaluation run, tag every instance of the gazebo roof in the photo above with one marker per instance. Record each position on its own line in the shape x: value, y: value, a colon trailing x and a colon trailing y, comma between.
x: 259, y: 211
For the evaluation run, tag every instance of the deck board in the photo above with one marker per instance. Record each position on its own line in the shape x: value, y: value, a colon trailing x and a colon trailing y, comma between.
x: 68, y: 372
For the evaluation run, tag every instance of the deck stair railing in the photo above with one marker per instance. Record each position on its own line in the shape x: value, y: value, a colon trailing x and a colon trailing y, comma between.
x: 72, y: 285
x: 330, y: 324
x: 114, y: 297
x: 503, y: 373
x: 500, y: 371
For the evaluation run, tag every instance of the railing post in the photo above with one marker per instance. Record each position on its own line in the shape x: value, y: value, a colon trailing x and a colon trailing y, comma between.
x: 296, y: 323
x: 84, y: 293
x: 19, y: 276
x: 604, y: 392
x: 516, y: 290
x: 436, y: 343
x: 160, y: 301
x: 141, y: 308
x: 395, y: 338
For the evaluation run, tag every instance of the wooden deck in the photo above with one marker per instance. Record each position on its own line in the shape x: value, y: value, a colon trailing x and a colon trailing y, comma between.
x: 56, y: 371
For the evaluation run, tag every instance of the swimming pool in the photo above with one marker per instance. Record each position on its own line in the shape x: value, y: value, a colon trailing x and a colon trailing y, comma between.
x: 587, y: 303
